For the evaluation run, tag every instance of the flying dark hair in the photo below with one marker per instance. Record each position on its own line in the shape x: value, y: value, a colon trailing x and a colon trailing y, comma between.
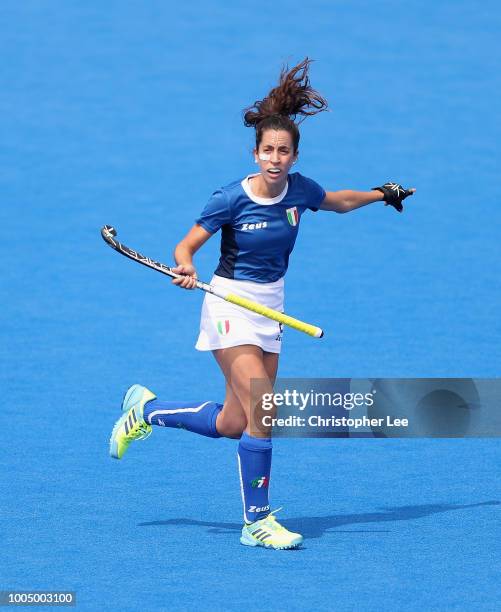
x: 293, y: 96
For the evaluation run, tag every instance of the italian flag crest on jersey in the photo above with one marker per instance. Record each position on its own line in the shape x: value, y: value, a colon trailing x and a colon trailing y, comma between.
x: 292, y: 216
x: 223, y: 327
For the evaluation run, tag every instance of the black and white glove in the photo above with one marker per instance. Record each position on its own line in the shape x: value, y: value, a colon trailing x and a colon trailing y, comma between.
x: 394, y: 194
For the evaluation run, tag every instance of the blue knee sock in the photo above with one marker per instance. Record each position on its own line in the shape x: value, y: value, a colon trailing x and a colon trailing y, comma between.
x: 193, y: 416
x: 254, y: 463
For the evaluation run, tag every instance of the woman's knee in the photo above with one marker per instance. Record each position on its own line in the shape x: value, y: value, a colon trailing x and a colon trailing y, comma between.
x: 231, y: 426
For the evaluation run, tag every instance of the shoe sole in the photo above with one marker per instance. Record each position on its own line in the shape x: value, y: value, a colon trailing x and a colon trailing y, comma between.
x: 248, y: 541
x: 121, y: 420
x: 113, y: 443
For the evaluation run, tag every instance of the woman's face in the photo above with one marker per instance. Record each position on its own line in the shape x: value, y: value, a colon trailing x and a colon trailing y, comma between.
x: 276, y: 152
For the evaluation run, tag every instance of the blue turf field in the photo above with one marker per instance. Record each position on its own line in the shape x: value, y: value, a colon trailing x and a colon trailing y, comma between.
x: 129, y: 113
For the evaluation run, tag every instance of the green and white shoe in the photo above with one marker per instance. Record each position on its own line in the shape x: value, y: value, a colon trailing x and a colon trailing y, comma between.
x: 131, y: 425
x: 269, y: 533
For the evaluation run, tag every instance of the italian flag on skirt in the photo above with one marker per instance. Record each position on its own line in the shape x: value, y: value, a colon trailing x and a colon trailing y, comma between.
x: 292, y: 216
x: 223, y: 327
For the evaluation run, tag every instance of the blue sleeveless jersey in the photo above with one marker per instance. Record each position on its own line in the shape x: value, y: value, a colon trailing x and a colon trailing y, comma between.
x: 258, y: 234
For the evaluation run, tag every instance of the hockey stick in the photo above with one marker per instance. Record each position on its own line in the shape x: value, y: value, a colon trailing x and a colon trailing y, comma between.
x: 109, y: 235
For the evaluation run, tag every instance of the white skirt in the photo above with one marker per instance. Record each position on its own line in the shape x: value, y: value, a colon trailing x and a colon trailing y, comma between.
x: 223, y: 324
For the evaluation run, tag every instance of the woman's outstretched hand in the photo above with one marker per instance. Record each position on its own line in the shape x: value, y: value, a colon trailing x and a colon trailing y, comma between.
x: 394, y: 194
x: 189, y: 276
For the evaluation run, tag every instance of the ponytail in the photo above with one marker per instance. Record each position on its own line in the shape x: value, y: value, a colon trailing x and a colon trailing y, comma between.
x: 293, y: 96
